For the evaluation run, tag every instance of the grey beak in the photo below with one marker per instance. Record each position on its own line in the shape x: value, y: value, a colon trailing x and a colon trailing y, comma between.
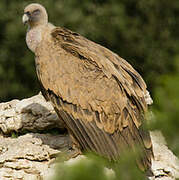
x: 25, y: 19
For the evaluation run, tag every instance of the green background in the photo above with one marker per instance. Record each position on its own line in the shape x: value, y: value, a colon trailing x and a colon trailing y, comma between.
x: 143, y: 32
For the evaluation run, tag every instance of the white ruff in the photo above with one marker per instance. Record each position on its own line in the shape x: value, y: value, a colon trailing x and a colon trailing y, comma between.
x: 33, y: 38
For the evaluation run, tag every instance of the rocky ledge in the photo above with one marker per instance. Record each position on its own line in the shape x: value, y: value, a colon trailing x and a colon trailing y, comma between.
x: 28, y: 149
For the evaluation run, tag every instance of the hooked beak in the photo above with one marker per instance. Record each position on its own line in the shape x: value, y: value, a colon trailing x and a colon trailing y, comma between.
x: 25, y: 19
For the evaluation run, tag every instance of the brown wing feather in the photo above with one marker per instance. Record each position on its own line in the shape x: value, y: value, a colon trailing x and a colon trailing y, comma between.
x: 108, y: 71
x: 100, y: 96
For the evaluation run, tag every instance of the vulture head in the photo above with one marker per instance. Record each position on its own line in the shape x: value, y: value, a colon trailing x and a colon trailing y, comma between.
x: 35, y: 14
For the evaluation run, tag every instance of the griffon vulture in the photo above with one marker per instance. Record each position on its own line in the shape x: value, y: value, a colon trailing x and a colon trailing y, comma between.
x: 99, y: 96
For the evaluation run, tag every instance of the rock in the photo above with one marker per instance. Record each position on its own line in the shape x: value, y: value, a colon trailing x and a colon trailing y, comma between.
x: 165, y: 164
x: 148, y: 98
x: 29, y: 156
x: 32, y: 156
x: 32, y: 114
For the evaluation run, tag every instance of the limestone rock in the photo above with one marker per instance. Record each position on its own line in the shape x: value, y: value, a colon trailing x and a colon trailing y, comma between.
x: 29, y: 156
x: 32, y: 114
x: 165, y: 165
x: 32, y: 156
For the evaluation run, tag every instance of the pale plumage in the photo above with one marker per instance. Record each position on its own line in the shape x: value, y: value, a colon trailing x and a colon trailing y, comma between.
x: 99, y: 96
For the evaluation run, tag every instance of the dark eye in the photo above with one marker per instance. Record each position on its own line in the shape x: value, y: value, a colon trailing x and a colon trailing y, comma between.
x: 36, y: 12
x: 28, y: 13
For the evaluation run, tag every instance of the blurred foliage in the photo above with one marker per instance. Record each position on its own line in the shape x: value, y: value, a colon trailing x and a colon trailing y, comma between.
x: 94, y: 167
x: 166, y: 108
x: 143, y: 32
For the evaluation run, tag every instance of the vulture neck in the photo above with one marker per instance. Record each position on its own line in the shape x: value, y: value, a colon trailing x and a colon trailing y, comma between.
x: 35, y: 35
